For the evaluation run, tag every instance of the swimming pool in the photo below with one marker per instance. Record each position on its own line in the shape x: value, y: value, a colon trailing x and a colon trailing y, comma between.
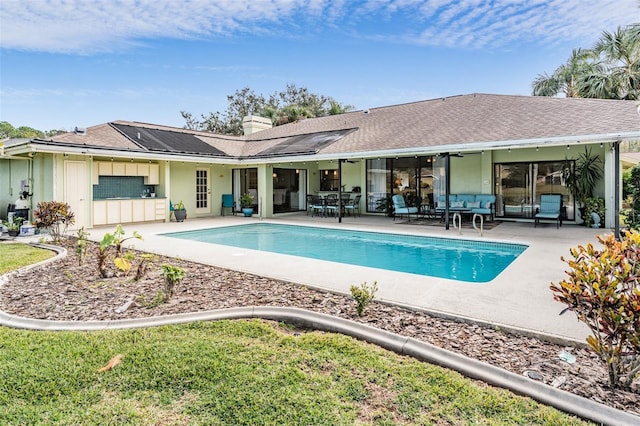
x: 457, y: 259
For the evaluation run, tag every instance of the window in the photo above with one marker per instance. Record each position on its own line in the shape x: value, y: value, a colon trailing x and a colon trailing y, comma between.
x: 329, y: 180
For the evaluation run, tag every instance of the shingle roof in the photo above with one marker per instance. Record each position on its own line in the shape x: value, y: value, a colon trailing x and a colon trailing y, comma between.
x: 469, y: 119
x: 430, y: 124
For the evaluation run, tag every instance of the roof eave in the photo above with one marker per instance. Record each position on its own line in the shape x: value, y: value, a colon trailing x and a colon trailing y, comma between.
x: 56, y: 148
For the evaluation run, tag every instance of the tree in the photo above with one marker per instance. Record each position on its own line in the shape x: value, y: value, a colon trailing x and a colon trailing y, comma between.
x: 620, y: 54
x: 286, y: 106
x: 566, y: 77
x: 7, y: 131
x: 610, y: 70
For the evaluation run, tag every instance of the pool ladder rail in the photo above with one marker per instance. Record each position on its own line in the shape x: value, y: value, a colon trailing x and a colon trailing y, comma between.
x: 457, y: 222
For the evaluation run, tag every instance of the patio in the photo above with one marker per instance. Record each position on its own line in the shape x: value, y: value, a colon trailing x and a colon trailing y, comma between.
x: 519, y: 298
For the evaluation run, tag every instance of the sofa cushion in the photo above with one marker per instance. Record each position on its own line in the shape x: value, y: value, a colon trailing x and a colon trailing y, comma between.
x: 466, y: 198
x: 473, y: 204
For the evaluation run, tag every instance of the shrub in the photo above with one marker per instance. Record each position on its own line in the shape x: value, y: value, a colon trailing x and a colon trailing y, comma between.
x: 603, y: 289
x: 114, y: 242
x: 363, y: 295
x: 55, y: 217
x: 172, y: 277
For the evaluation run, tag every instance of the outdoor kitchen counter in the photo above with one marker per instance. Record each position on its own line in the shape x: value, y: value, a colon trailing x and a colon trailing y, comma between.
x: 128, y: 210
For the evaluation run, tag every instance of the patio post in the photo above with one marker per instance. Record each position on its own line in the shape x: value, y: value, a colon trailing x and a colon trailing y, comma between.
x: 447, y: 189
x: 616, y: 201
x: 340, y: 161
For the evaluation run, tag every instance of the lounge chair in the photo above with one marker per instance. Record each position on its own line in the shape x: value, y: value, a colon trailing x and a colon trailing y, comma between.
x: 550, y: 207
x: 400, y: 208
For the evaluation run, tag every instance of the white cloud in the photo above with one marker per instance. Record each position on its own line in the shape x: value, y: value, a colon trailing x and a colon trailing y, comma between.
x: 83, y: 26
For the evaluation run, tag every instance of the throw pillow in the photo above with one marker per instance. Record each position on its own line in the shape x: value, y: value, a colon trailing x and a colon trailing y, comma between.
x: 473, y: 204
x: 487, y: 205
x: 457, y: 204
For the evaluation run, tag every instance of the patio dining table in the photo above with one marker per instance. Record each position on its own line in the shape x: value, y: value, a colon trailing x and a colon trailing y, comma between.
x: 326, y: 205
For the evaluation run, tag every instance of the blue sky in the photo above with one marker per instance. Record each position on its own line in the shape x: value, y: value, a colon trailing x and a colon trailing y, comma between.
x: 86, y: 62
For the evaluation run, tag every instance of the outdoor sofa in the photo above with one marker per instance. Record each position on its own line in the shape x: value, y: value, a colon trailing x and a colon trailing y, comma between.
x: 483, y: 204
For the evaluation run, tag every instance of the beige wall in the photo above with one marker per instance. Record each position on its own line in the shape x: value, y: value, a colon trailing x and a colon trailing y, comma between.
x: 180, y: 179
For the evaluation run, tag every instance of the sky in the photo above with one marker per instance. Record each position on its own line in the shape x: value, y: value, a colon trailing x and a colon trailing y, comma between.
x: 68, y: 63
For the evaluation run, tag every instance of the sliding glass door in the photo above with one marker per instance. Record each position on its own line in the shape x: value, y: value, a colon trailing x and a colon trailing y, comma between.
x: 413, y: 177
x: 289, y: 190
x: 519, y: 186
x: 245, y: 181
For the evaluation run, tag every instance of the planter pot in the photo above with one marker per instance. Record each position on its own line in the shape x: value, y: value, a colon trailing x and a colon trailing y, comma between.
x: 180, y: 215
x: 247, y: 211
x: 13, y: 233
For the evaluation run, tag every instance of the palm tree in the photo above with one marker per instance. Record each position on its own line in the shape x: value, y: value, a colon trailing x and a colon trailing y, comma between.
x: 565, y: 79
x: 620, y: 54
x: 611, y: 70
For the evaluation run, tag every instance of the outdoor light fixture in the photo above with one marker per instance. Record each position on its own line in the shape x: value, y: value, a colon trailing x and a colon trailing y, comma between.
x: 537, y: 149
x: 568, y: 147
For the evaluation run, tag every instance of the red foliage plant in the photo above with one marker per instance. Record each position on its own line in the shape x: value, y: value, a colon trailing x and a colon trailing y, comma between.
x: 603, y: 289
x: 55, y: 217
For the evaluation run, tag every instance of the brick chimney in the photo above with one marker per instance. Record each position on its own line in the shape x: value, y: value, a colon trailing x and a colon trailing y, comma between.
x: 254, y: 123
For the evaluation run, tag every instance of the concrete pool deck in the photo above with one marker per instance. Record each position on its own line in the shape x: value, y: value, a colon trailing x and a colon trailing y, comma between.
x: 518, y: 298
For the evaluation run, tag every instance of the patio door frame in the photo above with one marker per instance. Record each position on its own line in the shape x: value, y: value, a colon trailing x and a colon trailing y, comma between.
x: 203, y: 190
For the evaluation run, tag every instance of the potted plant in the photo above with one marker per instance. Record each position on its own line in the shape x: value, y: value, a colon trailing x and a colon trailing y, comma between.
x: 246, y: 203
x: 582, y: 178
x: 13, y: 227
x: 594, y: 205
x: 179, y: 211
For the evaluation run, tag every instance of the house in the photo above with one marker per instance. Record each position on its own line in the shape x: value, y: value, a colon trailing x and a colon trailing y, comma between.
x: 511, y: 146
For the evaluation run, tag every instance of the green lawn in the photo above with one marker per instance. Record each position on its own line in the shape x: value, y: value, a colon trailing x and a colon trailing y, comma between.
x: 237, y: 372
x: 17, y: 255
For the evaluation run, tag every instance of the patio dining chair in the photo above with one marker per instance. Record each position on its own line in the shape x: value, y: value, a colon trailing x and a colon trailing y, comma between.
x: 317, y: 206
x: 331, y: 205
x: 309, y: 199
x: 353, y: 206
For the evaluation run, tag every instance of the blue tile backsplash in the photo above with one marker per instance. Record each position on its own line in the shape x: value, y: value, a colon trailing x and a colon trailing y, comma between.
x: 120, y: 187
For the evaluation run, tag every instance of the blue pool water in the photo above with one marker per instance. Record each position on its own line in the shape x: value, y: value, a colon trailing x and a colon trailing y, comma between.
x: 463, y: 260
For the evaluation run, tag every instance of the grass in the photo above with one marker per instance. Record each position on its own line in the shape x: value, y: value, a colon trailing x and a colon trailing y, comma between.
x: 17, y: 255
x: 240, y: 373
